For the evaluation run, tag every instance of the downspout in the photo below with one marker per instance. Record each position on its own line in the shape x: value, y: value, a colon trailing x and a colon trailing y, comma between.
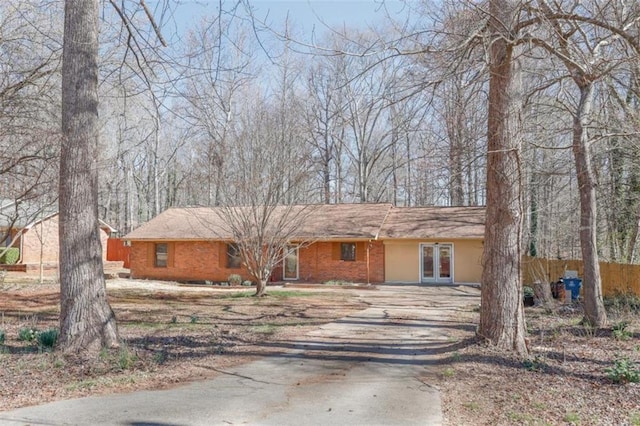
x: 368, y: 263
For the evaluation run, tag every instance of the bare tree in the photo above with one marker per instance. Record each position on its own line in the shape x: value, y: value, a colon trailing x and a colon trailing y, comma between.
x: 590, y: 43
x: 217, y: 70
x: 264, y: 185
x: 29, y: 101
x: 87, y: 322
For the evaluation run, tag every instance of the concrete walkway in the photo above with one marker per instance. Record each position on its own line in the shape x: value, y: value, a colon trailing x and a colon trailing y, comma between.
x: 370, y: 368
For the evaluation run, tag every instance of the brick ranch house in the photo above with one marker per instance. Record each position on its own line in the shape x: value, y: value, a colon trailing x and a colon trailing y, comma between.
x: 37, y: 240
x: 370, y: 243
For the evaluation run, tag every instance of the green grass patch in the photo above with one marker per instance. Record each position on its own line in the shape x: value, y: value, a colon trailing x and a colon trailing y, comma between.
x: 338, y: 282
x: 238, y: 295
x: 448, y: 372
x: 105, y: 381
x: 471, y: 405
x: 521, y: 418
x: 280, y: 294
x: 572, y: 418
x: 264, y: 328
x: 292, y: 293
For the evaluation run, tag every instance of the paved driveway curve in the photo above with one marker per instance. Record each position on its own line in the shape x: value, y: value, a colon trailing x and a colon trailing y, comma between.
x: 369, y: 368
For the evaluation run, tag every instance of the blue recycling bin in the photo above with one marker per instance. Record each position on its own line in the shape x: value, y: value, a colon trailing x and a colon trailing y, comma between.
x: 573, y: 285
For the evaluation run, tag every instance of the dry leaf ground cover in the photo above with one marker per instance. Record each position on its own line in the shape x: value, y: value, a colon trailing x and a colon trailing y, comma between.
x: 169, y: 336
x: 173, y: 335
x: 570, y: 378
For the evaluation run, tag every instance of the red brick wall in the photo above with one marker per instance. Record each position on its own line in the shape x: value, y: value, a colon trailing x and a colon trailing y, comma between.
x: 188, y: 261
x: 45, y: 234
x: 320, y: 262
x: 205, y: 260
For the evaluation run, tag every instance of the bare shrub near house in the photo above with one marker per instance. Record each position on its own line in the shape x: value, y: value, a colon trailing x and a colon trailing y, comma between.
x: 266, y: 176
x: 265, y: 235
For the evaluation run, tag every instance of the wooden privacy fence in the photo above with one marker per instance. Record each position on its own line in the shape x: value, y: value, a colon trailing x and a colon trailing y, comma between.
x: 116, y: 250
x: 616, y: 277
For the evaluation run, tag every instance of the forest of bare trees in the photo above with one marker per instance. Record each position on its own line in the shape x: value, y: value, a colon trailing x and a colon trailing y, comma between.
x: 394, y: 114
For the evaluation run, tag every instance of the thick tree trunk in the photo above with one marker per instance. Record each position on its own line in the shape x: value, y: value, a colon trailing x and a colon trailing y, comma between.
x: 501, y: 311
x: 86, y: 319
x: 594, y: 310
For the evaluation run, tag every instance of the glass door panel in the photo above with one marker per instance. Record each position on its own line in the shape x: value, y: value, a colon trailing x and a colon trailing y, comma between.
x: 444, y: 266
x: 428, y: 264
x: 290, y: 267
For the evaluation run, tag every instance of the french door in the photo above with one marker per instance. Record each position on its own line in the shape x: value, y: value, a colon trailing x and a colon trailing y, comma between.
x: 436, y: 264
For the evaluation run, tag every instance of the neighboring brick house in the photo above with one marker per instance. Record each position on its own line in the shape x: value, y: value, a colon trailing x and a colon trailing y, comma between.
x: 369, y: 243
x: 35, y: 234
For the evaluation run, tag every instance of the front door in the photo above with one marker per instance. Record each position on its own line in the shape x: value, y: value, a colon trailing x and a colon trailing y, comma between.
x: 436, y: 263
x: 290, y: 263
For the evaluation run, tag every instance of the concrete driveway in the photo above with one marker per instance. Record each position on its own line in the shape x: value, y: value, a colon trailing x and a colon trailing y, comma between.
x: 370, y: 368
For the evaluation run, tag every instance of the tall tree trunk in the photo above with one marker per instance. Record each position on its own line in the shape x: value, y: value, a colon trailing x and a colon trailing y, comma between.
x: 86, y: 319
x: 501, y: 311
x: 594, y: 311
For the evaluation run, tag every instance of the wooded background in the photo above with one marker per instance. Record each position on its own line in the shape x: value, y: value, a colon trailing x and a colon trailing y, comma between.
x: 393, y: 114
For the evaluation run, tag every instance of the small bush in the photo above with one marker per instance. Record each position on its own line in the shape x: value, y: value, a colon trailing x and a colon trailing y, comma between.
x: 235, y: 279
x: 620, y: 331
x: 48, y: 338
x: 11, y: 256
x: 27, y: 334
x: 126, y: 359
x: 2, y: 337
x: 247, y: 283
x: 623, y: 371
x: 536, y: 363
x: 527, y: 291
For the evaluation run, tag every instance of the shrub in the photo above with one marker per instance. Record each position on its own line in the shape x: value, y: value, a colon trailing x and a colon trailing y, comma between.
x: 126, y: 359
x: 535, y: 364
x: 11, y: 256
x: 623, y: 371
x: 27, y: 334
x: 235, y: 279
x: 621, y: 332
x: 48, y: 338
x: 2, y: 337
x: 527, y: 291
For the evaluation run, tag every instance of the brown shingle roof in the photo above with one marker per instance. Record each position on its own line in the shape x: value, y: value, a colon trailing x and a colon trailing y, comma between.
x: 434, y: 222
x: 327, y: 222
